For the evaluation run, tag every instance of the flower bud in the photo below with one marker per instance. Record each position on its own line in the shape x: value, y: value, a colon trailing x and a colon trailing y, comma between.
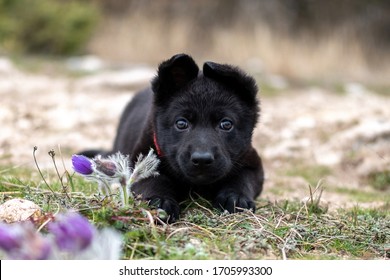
x: 82, y: 164
x: 105, y: 166
x: 72, y: 232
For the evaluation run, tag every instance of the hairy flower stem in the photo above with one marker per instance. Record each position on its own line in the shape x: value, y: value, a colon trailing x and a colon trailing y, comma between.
x: 125, y: 199
x: 114, y: 174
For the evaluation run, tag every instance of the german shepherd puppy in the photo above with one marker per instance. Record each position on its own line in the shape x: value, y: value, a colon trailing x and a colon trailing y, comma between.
x: 200, y: 123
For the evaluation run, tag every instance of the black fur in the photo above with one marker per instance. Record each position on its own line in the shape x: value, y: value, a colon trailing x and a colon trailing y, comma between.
x: 203, y: 122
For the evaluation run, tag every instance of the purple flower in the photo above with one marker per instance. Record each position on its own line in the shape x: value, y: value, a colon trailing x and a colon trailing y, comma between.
x: 44, y: 250
x: 82, y: 164
x: 10, y: 238
x: 72, y: 232
x: 20, y: 241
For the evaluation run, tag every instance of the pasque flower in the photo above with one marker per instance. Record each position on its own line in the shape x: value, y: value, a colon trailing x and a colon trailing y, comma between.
x: 72, y: 232
x: 107, y: 167
x: 71, y: 236
x: 20, y: 241
x: 9, y: 238
x: 82, y: 164
x: 145, y: 167
x: 115, y: 170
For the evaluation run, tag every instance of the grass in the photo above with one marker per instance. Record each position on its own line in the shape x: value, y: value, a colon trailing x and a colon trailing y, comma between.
x: 286, y: 229
x: 311, y: 173
x: 380, y: 180
x: 364, y: 195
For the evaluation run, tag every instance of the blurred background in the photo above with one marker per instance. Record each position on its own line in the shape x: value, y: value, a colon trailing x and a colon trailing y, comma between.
x: 346, y: 39
x: 68, y: 67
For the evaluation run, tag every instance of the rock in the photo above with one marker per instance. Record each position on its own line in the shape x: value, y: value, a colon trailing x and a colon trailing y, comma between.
x: 368, y: 131
x: 6, y: 67
x: 327, y: 156
x: 255, y: 65
x: 88, y: 63
x: 277, y: 82
x: 18, y: 210
x: 355, y: 89
x: 288, y: 148
x: 363, y: 148
x: 119, y: 79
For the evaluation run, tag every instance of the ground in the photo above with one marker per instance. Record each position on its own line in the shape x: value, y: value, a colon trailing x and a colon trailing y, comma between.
x: 325, y: 150
x: 325, y: 142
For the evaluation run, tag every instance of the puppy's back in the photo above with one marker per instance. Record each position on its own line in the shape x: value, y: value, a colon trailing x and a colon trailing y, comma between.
x: 135, y: 122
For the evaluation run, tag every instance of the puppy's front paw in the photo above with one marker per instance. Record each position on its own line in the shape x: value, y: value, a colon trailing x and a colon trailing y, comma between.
x: 233, y: 202
x: 169, y: 205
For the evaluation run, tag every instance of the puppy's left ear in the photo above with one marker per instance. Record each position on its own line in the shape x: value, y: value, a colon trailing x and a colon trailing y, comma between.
x: 234, y: 78
x: 173, y: 74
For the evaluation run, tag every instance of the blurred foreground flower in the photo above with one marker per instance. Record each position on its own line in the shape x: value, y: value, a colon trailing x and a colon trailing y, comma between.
x: 71, y: 236
x: 115, y: 171
x: 21, y: 242
x: 72, y: 232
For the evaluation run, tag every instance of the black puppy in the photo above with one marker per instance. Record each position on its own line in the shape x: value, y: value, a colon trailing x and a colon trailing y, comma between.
x: 201, y: 125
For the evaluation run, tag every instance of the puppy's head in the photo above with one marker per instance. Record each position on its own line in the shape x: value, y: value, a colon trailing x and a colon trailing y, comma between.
x: 203, y: 120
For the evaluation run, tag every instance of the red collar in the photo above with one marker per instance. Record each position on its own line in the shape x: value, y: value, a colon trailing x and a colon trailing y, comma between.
x: 158, y: 149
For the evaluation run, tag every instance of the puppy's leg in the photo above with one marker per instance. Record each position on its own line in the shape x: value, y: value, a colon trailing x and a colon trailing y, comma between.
x: 158, y: 191
x: 240, y: 191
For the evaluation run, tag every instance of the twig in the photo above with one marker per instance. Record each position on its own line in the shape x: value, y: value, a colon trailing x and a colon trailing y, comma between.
x: 139, y: 252
x: 133, y: 250
x: 201, y: 206
x: 11, y: 168
x: 8, y: 193
x: 284, y: 256
x: 149, y: 216
x: 49, y: 219
x: 176, y: 231
x: 62, y: 158
x: 52, y: 154
x: 199, y: 228
x: 39, y: 170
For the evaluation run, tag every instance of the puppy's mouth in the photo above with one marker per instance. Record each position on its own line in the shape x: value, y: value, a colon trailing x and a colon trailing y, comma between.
x: 204, y: 177
x: 203, y: 173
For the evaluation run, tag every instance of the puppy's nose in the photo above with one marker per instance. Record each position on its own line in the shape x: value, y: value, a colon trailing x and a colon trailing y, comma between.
x: 202, y: 159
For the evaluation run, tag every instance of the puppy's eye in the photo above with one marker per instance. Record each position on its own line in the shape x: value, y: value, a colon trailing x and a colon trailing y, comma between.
x: 181, y: 124
x: 226, y: 125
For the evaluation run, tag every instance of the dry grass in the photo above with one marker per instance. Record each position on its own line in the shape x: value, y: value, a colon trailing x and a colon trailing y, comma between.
x: 337, y: 55
x: 284, y: 229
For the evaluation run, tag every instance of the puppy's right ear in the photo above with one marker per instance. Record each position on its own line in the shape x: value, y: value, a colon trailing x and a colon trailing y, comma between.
x: 173, y: 74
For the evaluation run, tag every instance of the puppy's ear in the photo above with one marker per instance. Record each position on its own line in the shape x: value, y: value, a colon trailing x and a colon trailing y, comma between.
x: 173, y: 74
x: 234, y: 78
